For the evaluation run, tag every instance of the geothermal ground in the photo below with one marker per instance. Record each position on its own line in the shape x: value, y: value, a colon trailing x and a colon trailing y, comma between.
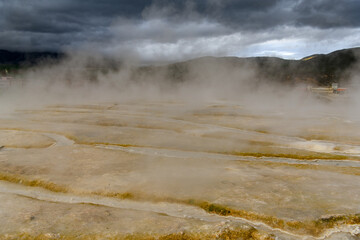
x: 173, y: 170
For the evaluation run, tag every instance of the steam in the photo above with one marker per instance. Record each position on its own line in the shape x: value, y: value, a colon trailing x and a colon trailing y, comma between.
x: 89, y: 77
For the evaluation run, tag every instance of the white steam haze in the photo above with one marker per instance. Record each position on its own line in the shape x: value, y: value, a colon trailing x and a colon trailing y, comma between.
x: 85, y: 77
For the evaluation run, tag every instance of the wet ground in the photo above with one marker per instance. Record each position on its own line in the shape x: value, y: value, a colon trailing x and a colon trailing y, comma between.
x: 175, y: 170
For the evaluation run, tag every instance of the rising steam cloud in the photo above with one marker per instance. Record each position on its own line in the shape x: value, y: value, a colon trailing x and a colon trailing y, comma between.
x: 91, y: 77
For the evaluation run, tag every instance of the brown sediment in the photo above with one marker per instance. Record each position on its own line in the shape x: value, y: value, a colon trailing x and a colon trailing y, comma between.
x: 141, y: 126
x: 38, y: 140
x: 312, y: 156
x: 332, y: 138
x: 78, y: 140
x: 33, y: 182
x: 69, y: 136
x: 265, y: 149
x: 226, y: 211
x: 217, y: 114
x: 37, y: 131
x: 105, y: 123
x: 261, y: 131
x: 104, y: 143
x: 22, y: 170
x: 333, y: 221
x: 53, y: 111
x: 260, y: 143
x: 226, y: 234
x: 279, y: 152
x: 53, y: 187
x: 230, y: 114
x: 126, y: 195
x: 338, y: 169
x: 314, y: 227
x: 86, y: 106
x: 20, y: 130
x: 94, y: 143
x: 28, y: 146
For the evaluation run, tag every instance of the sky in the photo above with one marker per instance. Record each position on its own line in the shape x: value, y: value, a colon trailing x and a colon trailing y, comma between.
x: 158, y: 30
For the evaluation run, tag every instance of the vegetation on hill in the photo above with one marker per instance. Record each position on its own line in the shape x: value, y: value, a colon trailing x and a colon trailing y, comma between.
x: 318, y: 69
x: 14, y: 61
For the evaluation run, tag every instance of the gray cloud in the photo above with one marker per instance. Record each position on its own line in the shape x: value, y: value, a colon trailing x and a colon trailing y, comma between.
x: 328, y: 13
x: 202, y: 27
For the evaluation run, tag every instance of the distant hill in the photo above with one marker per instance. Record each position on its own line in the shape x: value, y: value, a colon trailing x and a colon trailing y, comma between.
x: 318, y: 69
x: 13, y: 61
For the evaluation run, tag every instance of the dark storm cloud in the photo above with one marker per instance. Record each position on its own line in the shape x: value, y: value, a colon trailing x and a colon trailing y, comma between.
x: 65, y: 21
x: 59, y: 16
x: 55, y: 24
x: 243, y: 14
x: 263, y: 14
x: 328, y: 13
x: 249, y: 14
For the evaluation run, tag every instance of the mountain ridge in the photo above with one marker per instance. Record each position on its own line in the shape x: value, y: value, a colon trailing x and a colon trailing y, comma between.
x: 316, y: 69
